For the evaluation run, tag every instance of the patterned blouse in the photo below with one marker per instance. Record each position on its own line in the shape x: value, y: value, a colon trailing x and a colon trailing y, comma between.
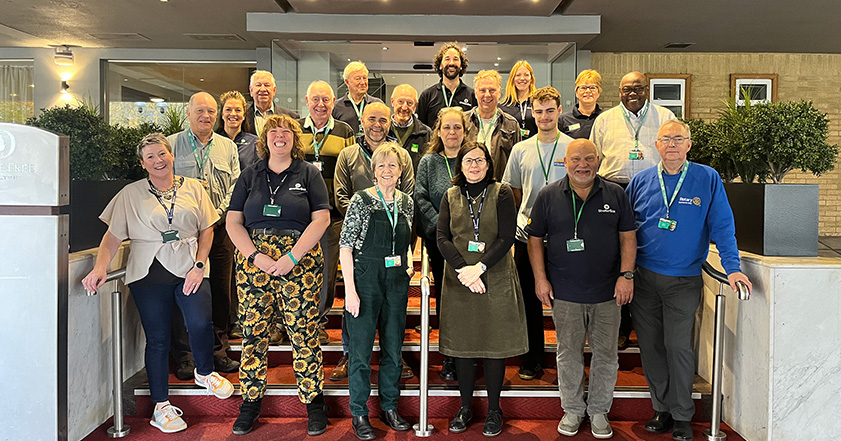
x: 355, y: 225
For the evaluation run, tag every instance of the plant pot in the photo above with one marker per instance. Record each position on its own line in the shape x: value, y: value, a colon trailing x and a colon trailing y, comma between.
x: 87, y: 200
x: 775, y: 219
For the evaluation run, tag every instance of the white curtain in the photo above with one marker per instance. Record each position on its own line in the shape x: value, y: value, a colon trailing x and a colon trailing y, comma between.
x: 16, y: 92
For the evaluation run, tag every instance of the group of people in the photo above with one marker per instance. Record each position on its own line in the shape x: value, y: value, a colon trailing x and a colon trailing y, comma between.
x: 596, y: 214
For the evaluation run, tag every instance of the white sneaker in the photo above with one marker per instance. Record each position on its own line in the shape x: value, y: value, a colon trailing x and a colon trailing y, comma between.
x: 569, y: 424
x: 216, y: 384
x: 168, y: 419
x: 600, y: 426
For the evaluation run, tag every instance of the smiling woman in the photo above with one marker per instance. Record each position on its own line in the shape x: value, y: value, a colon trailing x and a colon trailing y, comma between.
x: 233, y: 124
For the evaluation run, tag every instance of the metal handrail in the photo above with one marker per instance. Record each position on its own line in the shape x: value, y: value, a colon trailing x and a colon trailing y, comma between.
x: 119, y: 429
x: 714, y: 432
x: 423, y: 428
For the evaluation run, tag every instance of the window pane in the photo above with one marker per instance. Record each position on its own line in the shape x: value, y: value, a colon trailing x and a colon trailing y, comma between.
x: 16, y: 91
x: 677, y: 110
x: 754, y: 91
x: 666, y: 92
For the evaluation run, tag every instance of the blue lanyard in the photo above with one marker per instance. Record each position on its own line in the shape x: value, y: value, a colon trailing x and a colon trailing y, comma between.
x: 475, y: 216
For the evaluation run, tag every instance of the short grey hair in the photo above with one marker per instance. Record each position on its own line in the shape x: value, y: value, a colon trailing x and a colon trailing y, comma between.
x: 352, y: 67
x: 260, y: 73
x: 678, y: 122
x: 321, y: 82
x: 385, y: 149
x: 152, y: 139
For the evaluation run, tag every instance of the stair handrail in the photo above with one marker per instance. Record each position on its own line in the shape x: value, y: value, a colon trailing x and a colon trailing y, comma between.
x: 119, y: 429
x: 423, y: 428
x: 714, y: 433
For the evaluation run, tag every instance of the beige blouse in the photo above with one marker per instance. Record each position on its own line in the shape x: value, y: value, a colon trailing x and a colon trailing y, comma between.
x: 135, y: 214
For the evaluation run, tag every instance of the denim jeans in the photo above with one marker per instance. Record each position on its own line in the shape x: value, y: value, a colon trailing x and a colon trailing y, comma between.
x: 573, y: 322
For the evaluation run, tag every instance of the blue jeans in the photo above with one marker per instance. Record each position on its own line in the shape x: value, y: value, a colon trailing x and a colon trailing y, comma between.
x: 154, y: 303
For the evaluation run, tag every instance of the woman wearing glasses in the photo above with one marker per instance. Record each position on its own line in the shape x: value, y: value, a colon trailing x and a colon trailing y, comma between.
x: 483, y: 315
x: 578, y: 122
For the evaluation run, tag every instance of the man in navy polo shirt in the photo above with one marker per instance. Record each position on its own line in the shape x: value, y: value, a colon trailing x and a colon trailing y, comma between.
x: 584, y: 271
x: 679, y: 206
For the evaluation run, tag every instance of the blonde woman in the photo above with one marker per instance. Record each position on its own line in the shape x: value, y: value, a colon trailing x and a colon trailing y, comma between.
x: 578, y: 122
x: 517, y: 100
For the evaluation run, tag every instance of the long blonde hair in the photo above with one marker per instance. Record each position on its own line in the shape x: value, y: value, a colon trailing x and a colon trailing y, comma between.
x: 510, y: 97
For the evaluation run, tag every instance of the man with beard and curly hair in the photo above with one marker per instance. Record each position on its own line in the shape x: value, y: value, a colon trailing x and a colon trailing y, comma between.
x: 451, y: 64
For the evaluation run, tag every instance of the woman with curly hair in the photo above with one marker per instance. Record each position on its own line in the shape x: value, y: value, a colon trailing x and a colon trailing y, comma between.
x: 279, y: 210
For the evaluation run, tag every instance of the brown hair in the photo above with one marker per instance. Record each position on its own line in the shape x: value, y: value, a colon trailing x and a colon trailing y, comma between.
x: 547, y: 93
x: 436, y: 64
x: 435, y: 144
x: 459, y: 179
x: 231, y: 95
x: 285, y: 121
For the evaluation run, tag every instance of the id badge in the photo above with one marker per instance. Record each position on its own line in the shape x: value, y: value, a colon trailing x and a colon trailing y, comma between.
x: 636, y: 155
x: 575, y: 126
x: 205, y: 184
x: 415, y: 148
x: 170, y: 236
x: 575, y: 245
x: 667, y: 224
x: 319, y: 165
x: 392, y: 261
x: 476, y: 247
x: 270, y: 210
x: 524, y: 133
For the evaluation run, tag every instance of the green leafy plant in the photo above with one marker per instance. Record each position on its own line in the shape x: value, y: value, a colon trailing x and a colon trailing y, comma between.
x: 124, y: 140
x: 175, y: 117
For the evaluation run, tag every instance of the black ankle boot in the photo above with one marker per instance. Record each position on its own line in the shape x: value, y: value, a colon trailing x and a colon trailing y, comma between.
x: 249, y: 411
x: 317, y: 416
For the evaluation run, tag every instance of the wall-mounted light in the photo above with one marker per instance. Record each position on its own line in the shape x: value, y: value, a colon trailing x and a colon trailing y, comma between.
x: 63, y: 55
x: 65, y: 77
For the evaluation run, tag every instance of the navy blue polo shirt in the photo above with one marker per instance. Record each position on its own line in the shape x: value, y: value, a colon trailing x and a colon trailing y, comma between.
x: 302, y: 192
x: 587, y: 276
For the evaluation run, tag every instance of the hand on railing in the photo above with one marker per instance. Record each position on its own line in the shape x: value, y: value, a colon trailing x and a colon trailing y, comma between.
x: 739, y: 280
x: 92, y: 282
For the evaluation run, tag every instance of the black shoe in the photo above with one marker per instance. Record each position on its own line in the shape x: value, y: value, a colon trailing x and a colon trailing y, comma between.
x: 226, y: 365
x: 249, y: 411
x: 394, y: 420
x: 683, y: 431
x: 462, y: 419
x: 659, y: 423
x: 362, y: 428
x: 530, y: 372
x: 317, y: 416
x: 493, y: 423
x: 448, y: 370
x: 405, y: 370
x: 624, y: 342
x: 185, y: 370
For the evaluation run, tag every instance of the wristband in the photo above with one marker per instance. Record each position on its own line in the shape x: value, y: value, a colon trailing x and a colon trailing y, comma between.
x: 292, y: 257
x: 252, y: 256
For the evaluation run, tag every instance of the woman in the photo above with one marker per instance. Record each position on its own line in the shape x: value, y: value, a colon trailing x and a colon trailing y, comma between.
x: 578, y: 122
x: 435, y: 175
x: 376, y: 259
x: 483, y: 315
x: 233, y: 125
x: 278, y: 212
x: 517, y: 102
x: 169, y: 221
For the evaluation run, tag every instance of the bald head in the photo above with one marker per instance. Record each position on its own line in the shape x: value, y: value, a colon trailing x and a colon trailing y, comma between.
x: 201, y: 112
x: 404, y: 101
x: 582, y: 162
x: 376, y: 121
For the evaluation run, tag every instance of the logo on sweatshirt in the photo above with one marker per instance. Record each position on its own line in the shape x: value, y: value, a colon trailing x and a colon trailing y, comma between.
x: 607, y: 209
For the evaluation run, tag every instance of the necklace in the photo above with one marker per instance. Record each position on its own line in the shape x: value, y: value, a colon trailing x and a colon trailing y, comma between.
x: 166, y: 194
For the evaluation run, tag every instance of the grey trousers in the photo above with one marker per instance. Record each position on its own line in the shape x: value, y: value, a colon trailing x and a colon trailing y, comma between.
x: 664, y: 317
x: 330, y: 247
x: 573, y: 322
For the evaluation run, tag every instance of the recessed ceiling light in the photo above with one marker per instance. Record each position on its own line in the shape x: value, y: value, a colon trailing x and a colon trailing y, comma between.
x: 201, y: 79
x: 498, y: 58
x: 496, y: 64
x: 464, y: 48
x: 678, y: 45
x: 155, y: 99
x: 385, y: 48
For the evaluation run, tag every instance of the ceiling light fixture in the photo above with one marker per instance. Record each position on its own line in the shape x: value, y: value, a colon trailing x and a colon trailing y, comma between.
x: 63, y: 55
x: 385, y: 48
x: 155, y: 99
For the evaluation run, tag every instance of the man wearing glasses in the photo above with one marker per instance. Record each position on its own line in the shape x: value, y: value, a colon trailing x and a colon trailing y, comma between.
x: 679, y: 207
x: 624, y: 138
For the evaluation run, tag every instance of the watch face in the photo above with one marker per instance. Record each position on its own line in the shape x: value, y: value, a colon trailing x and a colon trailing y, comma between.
x: 199, y: 265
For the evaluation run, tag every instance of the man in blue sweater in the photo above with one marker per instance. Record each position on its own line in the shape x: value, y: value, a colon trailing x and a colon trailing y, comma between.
x: 679, y: 207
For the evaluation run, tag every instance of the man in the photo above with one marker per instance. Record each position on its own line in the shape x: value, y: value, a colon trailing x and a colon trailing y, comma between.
x: 412, y: 134
x: 262, y: 89
x: 451, y: 64
x: 350, y: 107
x: 534, y: 163
x: 211, y: 158
x: 588, y: 227
x: 679, y: 207
x: 354, y: 173
x: 488, y: 124
x: 323, y: 138
x: 624, y: 137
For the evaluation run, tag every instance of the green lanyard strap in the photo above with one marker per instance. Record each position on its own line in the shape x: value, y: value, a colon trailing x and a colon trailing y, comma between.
x: 677, y: 187
x: 577, y: 212
x: 447, y: 161
x: 489, y: 131
x: 199, y: 160
x: 315, y: 144
x: 543, y: 166
x: 392, y: 219
x: 638, y: 128
x: 448, y: 102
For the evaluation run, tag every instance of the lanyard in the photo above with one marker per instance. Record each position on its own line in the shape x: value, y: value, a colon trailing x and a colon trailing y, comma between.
x: 524, y: 107
x: 449, y: 102
x: 315, y: 144
x: 199, y: 160
x: 543, y: 167
x: 272, y: 193
x: 447, y: 161
x: 577, y: 213
x: 171, y: 211
x: 638, y: 128
x: 475, y: 217
x: 357, y: 109
x: 392, y: 218
x: 677, y: 187
x: 487, y: 132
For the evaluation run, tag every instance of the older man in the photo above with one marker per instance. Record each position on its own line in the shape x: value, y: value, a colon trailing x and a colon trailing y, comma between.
x: 488, y: 124
x: 535, y: 163
x: 262, y: 88
x: 624, y: 137
x: 450, y: 64
x: 679, y: 207
x: 349, y: 108
x: 588, y: 227
x: 323, y: 139
x: 412, y: 134
x: 211, y: 158
x: 354, y: 173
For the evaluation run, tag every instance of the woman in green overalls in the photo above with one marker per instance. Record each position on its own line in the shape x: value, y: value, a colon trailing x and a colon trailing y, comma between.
x: 376, y: 265
x: 482, y: 314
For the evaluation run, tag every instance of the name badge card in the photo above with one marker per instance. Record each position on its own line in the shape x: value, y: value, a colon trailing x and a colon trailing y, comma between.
x: 271, y: 210
x: 319, y: 165
x: 575, y: 126
x: 574, y: 245
x: 170, y: 236
x: 667, y: 224
x: 415, y: 148
x: 524, y: 133
x: 636, y: 155
x: 476, y: 247
x: 392, y: 261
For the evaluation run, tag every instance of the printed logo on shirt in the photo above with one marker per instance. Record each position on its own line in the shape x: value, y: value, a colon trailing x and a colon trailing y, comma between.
x: 298, y: 188
x: 465, y: 102
x: 689, y: 201
x: 559, y: 163
x: 606, y: 209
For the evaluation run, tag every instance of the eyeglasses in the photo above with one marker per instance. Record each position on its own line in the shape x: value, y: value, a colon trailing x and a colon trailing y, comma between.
x: 637, y: 90
x: 470, y: 161
x: 677, y: 139
x: 591, y: 88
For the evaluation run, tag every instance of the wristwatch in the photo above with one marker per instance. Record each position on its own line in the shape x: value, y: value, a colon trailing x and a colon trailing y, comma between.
x: 252, y: 256
x: 627, y: 274
x: 199, y: 265
x: 483, y: 266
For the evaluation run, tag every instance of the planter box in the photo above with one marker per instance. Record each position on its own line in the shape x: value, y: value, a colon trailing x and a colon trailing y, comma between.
x: 87, y: 200
x: 776, y: 219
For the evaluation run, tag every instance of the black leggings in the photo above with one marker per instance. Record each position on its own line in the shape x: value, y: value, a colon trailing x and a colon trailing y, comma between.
x: 494, y: 376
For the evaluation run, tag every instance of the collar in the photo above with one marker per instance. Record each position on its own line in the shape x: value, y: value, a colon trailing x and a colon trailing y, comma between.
x: 198, y: 141
x: 294, y: 168
x: 366, y: 98
x: 308, y: 124
x: 363, y: 144
x: 578, y: 115
x: 635, y: 115
x: 473, y: 114
x: 440, y: 85
x: 411, y: 121
x: 257, y: 111
x: 598, y: 184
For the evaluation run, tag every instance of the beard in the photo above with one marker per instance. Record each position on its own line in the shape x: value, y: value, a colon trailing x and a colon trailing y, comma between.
x: 453, y: 75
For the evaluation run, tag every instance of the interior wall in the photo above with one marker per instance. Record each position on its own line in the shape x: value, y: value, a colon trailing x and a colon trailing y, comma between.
x: 812, y: 77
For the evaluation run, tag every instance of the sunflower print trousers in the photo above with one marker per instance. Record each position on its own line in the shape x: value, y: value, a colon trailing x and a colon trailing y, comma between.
x: 295, y: 296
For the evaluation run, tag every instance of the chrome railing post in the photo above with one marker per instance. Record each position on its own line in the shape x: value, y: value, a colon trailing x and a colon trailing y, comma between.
x: 118, y: 430
x: 423, y: 428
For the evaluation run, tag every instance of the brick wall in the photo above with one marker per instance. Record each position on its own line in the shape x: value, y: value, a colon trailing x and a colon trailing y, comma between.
x: 815, y: 77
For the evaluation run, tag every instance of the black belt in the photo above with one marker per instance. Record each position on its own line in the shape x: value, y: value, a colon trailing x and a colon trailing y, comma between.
x: 274, y: 232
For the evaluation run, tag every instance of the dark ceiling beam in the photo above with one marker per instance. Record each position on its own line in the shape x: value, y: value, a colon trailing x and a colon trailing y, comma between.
x: 284, y: 5
x: 562, y: 7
